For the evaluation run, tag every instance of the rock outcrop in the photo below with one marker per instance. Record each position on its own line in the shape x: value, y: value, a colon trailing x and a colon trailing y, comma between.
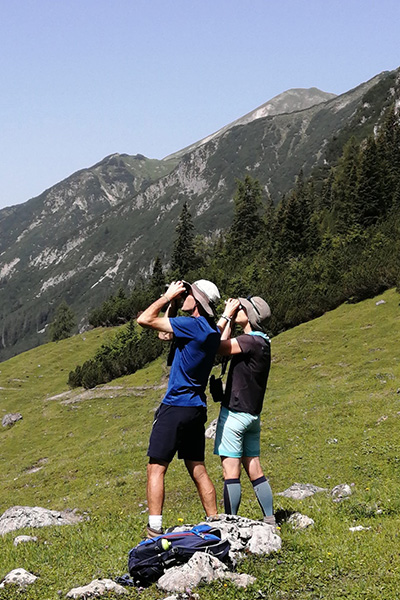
x: 18, y: 517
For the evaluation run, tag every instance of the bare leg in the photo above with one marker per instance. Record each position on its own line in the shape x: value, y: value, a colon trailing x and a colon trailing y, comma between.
x: 204, y: 485
x: 253, y: 467
x: 232, y: 487
x: 230, y: 467
x: 156, y: 470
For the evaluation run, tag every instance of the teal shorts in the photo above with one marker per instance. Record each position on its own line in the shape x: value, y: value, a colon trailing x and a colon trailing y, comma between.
x: 238, y: 434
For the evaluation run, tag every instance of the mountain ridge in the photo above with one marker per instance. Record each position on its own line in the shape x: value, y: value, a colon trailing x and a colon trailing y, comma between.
x: 280, y: 104
x: 102, y: 227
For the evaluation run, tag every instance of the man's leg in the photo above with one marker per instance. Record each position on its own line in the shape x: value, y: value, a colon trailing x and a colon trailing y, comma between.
x: 232, y: 487
x: 204, y: 485
x: 261, y: 486
x: 156, y: 470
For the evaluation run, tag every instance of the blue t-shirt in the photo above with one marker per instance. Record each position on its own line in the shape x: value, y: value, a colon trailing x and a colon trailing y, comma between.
x: 197, y: 341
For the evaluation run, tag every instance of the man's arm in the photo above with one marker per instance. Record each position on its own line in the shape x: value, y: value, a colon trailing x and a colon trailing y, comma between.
x: 172, y: 311
x: 149, y: 317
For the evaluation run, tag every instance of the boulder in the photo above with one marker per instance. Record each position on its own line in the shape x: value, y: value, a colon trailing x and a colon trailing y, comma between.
x: 299, y: 521
x: 18, y: 577
x: 98, y: 587
x: 341, y: 491
x: 298, y: 491
x: 240, y: 531
x: 201, y: 568
x: 18, y: 517
x: 263, y: 540
x: 10, y: 419
x: 211, y: 430
x: 23, y: 539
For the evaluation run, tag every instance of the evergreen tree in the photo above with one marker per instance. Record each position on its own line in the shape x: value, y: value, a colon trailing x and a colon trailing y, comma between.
x: 246, y: 231
x: 388, y: 144
x: 183, y: 259
x: 157, y: 282
x: 64, y: 322
x: 345, y: 187
x: 293, y: 240
x: 370, y: 201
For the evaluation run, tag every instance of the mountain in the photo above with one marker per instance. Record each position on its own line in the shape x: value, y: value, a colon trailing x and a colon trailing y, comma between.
x: 288, y: 102
x: 102, y: 227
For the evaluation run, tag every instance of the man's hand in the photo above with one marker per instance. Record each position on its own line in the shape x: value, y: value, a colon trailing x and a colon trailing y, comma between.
x: 175, y: 289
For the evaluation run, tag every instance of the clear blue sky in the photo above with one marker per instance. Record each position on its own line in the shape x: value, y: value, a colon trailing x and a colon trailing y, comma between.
x: 83, y: 79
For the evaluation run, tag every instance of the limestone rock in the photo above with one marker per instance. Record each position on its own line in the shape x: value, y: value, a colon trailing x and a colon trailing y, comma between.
x: 18, y: 517
x: 23, y: 539
x: 359, y: 528
x: 201, y: 568
x: 341, y: 491
x: 299, y: 521
x: 10, y: 419
x: 18, y: 577
x: 240, y: 579
x: 240, y: 531
x: 211, y: 430
x: 98, y: 587
x: 298, y: 491
x: 264, y: 540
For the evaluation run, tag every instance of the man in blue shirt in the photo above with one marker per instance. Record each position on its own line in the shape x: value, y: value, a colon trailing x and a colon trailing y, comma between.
x: 179, y: 421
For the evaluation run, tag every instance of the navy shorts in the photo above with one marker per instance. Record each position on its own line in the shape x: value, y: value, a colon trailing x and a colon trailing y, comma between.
x: 178, y: 429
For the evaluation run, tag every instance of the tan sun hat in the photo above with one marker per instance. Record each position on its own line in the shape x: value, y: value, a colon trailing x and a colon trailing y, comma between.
x: 207, y: 295
x: 257, y: 311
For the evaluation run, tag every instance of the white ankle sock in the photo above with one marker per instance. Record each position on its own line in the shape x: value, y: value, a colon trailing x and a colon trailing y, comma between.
x: 155, y: 521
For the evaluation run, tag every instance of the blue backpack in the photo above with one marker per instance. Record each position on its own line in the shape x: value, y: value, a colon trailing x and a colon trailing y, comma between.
x: 149, y: 559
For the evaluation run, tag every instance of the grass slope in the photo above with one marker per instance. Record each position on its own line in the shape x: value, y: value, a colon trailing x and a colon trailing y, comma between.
x: 331, y: 416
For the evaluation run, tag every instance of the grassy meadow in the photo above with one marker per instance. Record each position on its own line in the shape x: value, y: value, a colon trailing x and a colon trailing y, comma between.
x: 331, y: 416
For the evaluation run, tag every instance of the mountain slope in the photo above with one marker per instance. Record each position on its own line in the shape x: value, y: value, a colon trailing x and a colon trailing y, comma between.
x: 331, y: 416
x: 103, y: 227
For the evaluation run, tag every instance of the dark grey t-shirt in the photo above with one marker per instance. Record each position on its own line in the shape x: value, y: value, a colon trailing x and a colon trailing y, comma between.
x: 248, y: 375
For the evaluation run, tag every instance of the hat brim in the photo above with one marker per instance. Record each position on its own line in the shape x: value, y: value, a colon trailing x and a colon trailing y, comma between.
x: 251, y: 314
x: 203, y: 300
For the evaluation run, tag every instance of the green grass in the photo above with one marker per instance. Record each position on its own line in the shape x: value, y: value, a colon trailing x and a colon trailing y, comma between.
x: 332, y: 415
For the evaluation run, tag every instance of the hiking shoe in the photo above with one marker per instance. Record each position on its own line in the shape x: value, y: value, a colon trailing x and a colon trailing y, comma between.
x: 212, y: 518
x: 152, y: 533
x: 270, y: 520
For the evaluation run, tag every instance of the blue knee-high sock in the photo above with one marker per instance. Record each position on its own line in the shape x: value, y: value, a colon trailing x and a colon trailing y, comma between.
x: 232, y: 496
x: 263, y: 492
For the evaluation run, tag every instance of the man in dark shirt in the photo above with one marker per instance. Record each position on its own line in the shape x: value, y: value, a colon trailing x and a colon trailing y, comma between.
x: 237, y: 439
x: 179, y: 421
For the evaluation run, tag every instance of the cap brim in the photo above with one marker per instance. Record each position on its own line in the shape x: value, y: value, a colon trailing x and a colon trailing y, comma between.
x: 251, y: 314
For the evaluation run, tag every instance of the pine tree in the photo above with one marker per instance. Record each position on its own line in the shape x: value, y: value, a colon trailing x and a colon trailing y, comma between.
x: 293, y: 241
x: 246, y: 231
x: 182, y: 259
x: 157, y: 279
x: 388, y: 144
x: 345, y: 186
x: 64, y: 322
x: 370, y: 199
